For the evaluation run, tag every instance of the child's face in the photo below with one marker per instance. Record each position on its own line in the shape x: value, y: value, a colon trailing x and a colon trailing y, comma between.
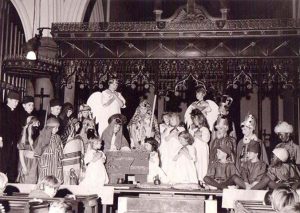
x: 50, y: 191
x: 221, y: 131
x: 223, y: 110
x: 251, y: 155
x: 55, y: 110
x: 183, y: 141
x: 166, y: 119
x: 114, y: 85
x: 117, y: 128
x: 55, y: 130
x: 284, y: 137
x: 247, y: 130
x: 96, y: 144
x: 69, y: 113
x: 221, y: 155
x: 28, y: 107
x: 148, y: 147
x: 143, y: 110
x: 13, y: 103
x: 200, y: 96
x: 174, y: 121
x: 85, y: 114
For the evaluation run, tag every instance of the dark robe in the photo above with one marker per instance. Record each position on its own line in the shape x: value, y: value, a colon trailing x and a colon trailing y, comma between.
x: 10, y: 131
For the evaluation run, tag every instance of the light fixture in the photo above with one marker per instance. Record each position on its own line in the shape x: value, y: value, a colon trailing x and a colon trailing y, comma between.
x: 34, y: 44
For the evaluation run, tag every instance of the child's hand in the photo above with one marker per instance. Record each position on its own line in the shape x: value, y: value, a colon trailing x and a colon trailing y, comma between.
x: 25, y: 171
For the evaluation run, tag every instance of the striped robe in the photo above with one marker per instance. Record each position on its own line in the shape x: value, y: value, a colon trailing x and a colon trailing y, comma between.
x: 50, y: 160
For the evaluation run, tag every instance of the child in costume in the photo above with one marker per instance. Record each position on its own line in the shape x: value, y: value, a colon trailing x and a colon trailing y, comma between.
x: 84, y: 112
x: 112, y: 137
x: 95, y: 175
x: 253, y: 170
x: 279, y: 172
x: 248, y: 127
x: 139, y: 125
x: 165, y: 122
x: 284, y: 131
x: 222, y: 139
x: 155, y: 171
x: 185, y: 170
x: 28, y: 165
x: 49, y: 151
x: 170, y: 144
x: 220, y: 172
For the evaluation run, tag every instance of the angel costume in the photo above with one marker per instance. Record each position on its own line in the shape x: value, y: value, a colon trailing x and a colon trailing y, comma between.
x: 101, y: 112
x: 140, y: 123
x: 169, y: 148
x: 95, y: 175
x: 184, y: 170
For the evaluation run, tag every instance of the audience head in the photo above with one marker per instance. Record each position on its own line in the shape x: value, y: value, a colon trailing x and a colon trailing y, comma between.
x: 49, y: 185
x: 13, y: 99
x: 283, y: 130
x: 3, y: 182
x: 293, y: 208
x: 248, y: 125
x: 53, y: 123
x: 185, y: 138
x: 283, y: 196
x: 58, y: 207
x: 28, y: 104
x: 268, y: 198
x: 55, y: 107
x: 280, y: 155
x: 151, y: 144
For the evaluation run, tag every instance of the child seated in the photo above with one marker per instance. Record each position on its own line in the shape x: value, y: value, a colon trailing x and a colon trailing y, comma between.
x: 185, y: 169
x: 279, y: 173
x: 252, y: 170
x: 46, y: 188
x: 95, y: 174
x: 220, y: 172
x: 155, y: 171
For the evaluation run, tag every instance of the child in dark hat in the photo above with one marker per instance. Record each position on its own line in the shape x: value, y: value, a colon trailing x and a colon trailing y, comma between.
x: 26, y: 109
x: 221, y: 171
x: 10, y: 130
x: 55, y: 109
x: 253, y: 170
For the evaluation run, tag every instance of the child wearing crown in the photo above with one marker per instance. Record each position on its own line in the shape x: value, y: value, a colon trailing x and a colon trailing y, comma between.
x: 248, y: 127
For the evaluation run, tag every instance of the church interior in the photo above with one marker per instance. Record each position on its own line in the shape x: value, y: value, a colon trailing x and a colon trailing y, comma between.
x: 161, y: 52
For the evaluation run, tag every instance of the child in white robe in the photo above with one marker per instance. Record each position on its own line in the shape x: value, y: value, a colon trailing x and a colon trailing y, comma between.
x: 170, y: 144
x: 155, y: 171
x: 95, y: 175
x: 202, y: 152
x: 185, y: 170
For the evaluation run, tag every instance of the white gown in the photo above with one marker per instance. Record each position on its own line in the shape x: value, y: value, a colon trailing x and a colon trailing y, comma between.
x: 168, y: 150
x: 95, y: 175
x: 155, y: 170
x: 185, y: 169
x: 102, y: 113
x: 202, y: 153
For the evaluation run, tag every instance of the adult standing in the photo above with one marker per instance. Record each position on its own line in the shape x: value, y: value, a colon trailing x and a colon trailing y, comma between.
x: 10, y: 130
x: 106, y: 104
